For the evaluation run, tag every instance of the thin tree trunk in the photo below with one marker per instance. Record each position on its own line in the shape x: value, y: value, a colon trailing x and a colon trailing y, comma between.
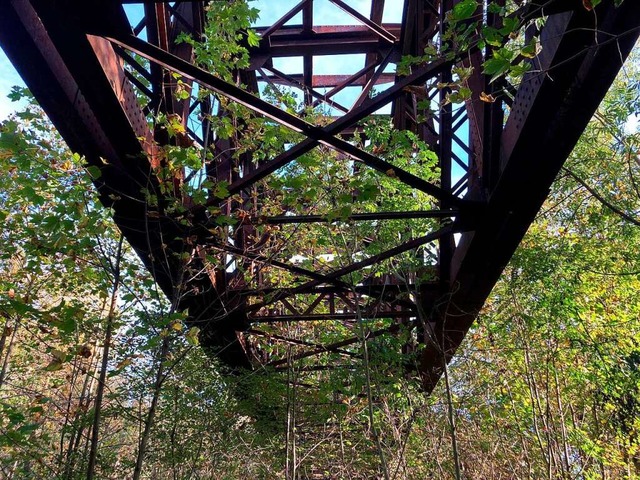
x: 95, y: 435
x: 367, y: 370
x: 525, y: 449
x: 288, y: 433
x: 83, y: 405
x: 452, y: 421
x: 13, y: 470
x: 548, y: 421
x: 563, y: 427
x: 535, y: 405
x: 172, y: 435
x: 294, y: 451
x: 67, y: 420
x: 7, y: 357
x: 7, y: 331
x: 148, y: 423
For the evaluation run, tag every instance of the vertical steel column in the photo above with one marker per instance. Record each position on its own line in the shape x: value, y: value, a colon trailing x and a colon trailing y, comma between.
x: 445, y: 134
x: 307, y: 59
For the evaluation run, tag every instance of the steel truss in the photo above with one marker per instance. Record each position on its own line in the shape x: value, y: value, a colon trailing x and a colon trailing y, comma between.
x: 104, y: 81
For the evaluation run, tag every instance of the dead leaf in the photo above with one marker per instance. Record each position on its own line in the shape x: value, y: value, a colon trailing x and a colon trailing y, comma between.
x: 58, y: 355
x: 420, y: 92
x: 124, y: 363
x: 487, y: 97
x: 84, y: 351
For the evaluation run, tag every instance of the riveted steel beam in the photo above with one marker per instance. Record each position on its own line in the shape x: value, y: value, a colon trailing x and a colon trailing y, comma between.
x: 555, y: 102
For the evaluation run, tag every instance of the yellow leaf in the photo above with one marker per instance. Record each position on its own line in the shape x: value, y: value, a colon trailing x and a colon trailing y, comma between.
x: 53, y: 366
x: 176, y: 325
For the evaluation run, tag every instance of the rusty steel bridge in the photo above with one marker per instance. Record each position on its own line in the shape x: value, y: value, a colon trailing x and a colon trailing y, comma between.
x: 103, y: 80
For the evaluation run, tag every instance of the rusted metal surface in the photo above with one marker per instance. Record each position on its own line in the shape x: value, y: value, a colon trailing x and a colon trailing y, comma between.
x: 83, y: 62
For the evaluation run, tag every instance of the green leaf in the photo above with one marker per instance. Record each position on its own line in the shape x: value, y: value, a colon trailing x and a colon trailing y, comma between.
x: 510, y: 25
x: 591, y: 4
x: 520, y: 69
x: 492, y: 36
x: 192, y: 336
x: 9, y: 141
x: 499, y: 64
x: 18, y: 93
x: 495, y: 8
x: 53, y: 366
x: 94, y: 171
x: 220, y: 190
x: 21, y: 308
x: 67, y: 324
x: 182, y: 94
x: 464, y: 10
x: 530, y: 50
x: 253, y: 39
x: 225, y: 220
x: 368, y: 192
x: 28, y: 429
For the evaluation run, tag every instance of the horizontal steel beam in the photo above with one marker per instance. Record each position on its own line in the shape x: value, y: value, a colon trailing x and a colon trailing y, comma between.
x: 315, y: 317
x: 395, y: 328
x: 356, y: 217
x: 329, y: 81
x: 366, y: 290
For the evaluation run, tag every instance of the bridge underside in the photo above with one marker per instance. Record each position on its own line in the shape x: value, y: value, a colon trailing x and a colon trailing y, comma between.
x: 298, y: 244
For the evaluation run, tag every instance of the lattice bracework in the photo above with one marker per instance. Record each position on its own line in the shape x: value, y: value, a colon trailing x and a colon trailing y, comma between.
x: 86, y: 63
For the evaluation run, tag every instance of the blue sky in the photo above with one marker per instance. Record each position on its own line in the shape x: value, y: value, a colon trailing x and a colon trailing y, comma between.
x: 8, y: 78
x: 326, y: 13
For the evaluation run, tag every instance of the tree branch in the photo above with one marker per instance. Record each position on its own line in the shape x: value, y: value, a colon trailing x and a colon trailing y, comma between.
x: 603, y: 200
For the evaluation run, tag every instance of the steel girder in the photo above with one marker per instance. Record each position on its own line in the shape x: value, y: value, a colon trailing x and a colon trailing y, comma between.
x: 103, y: 80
